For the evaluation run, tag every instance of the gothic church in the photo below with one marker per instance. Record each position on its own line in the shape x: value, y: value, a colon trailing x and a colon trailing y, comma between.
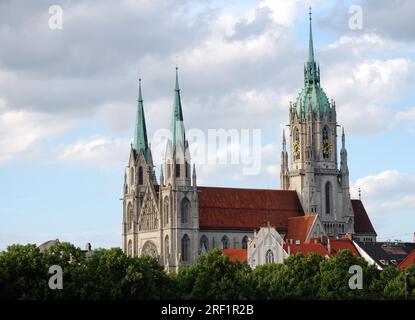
x: 176, y: 220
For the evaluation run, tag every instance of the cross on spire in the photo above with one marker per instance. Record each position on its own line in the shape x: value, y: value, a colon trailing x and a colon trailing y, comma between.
x: 310, y: 42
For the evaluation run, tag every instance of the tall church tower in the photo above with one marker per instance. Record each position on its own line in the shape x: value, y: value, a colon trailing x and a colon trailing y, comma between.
x: 178, y: 195
x: 139, y: 178
x: 313, y: 172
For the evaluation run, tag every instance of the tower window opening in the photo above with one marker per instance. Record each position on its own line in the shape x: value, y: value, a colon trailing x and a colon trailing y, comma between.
x: 328, y: 197
x: 185, y: 248
x: 185, y: 210
x: 326, y: 144
x: 140, y: 176
x: 296, y: 144
x: 187, y: 169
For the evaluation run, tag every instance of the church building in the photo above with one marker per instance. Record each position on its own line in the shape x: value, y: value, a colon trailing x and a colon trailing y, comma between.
x: 175, y: 220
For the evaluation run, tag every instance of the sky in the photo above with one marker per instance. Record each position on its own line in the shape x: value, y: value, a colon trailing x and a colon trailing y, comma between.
x: 68, y: 100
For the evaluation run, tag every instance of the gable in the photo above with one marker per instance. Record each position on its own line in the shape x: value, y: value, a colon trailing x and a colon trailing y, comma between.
x: 149, y: 216
x: 299, y: 228
x: 362, y: 223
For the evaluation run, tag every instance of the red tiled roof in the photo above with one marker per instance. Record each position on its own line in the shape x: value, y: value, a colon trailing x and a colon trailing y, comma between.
x: 246, y: 209
x: 320, y: 246
x: 299, y: 227
x: 307, y: 248
x: 344, y: 243
x: 408, y: 261
x: 236, y: 254
x: 362, y: 222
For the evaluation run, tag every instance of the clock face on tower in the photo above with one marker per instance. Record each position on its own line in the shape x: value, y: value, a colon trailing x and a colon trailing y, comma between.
x: 326, y: 148
x: 296, y: 149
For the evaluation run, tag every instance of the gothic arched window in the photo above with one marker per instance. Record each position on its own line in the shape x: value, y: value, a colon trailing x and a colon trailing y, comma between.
x: 140, y: 175
x: 225, y: 242
x: 177, y: 170
x: 269, y: 257
x: 245, y: 242
x: 132, y: 176
x: 325, y: 146
x: 130, y: 215
x: 166, y: 210
x: 130, y: 248
x: 296, y: 144
x: 328, y: 194
x: 204, y: 243
x: 168, y: 170
x: 166, y: 249
x: 187, y: 169
x: 185, y: 248
x: 185, y: 210
x: 150, y: 249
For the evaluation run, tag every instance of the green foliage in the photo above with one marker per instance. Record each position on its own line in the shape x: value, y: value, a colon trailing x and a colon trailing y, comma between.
x: 214, y: 277
x: 24, y: 273
x: 297, y: 278
x: 334, y: 277
x: 110, y: 274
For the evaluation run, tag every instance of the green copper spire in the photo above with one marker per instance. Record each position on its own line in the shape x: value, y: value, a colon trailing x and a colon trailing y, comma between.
x: 310, y: 42
x: 178, y: 113
x: 177, y: 127
x: 312, y: 94
x: 311, y: 71
x: 140, y: 134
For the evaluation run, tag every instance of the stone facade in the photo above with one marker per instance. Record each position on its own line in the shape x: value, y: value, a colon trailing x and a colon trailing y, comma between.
x: 175, y: 220
x: 313, y: 170
x: 267, y: 246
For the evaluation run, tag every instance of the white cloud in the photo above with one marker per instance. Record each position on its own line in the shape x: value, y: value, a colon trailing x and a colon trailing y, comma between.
x: 21, y: 130
x: 100, y: 151
x: 363, y: 89
x: 283, y: 12
x: 408, y: 114
x: 387, y: 191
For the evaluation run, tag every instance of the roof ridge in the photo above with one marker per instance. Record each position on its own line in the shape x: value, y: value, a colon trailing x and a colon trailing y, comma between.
x: 260, y: 189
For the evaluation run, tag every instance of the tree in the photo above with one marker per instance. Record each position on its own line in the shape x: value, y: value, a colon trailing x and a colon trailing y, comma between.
x: 270, y: 281
x: 334, y: 277
x: 23, y: 273
x: 214, y: 277
x: 146, y: 279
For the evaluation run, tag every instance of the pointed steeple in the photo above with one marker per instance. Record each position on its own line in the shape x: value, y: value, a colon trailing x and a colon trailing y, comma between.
x: 343, y: 161
x: 343, y: 140
x: 284, y: 182
x: 177, y: 126
x: 140, y: 132
x: 161, y: 176
x: 194, y: 176
x: 310, y: 41
x: 284, y: 142
x: 311, y: 72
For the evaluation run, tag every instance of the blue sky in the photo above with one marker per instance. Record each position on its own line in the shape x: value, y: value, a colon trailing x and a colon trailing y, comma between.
x: 68, y: 97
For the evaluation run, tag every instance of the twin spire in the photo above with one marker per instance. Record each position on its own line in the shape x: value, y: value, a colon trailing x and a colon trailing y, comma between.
x: 177, y: 128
